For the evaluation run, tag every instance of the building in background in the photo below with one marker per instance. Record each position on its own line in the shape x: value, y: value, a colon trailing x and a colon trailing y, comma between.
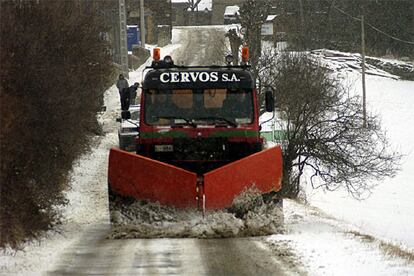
x: 158, y: 15
x: 158, y: 23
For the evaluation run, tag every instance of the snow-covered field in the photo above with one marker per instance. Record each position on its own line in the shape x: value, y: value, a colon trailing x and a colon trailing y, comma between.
x: 324, y: 245
x: 346, y: 241
x: 342, y: 236
x: 388, y: 213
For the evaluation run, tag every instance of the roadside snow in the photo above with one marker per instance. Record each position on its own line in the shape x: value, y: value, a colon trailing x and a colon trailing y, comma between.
x: 385, y: 219
x: 389, y: 212
x: 326, y: 246
x: 87, y: 205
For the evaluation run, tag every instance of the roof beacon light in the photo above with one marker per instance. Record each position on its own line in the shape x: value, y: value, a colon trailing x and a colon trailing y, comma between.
x: 156, y: 54
x: 245, y: 54
x: 229, y: 59
x: 168, y: 60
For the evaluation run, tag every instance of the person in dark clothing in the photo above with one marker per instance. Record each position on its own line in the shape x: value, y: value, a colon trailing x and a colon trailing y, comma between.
x: 128, y: 96
x: 133, y: 92
x: 125, y: 98
x: 121, y: 84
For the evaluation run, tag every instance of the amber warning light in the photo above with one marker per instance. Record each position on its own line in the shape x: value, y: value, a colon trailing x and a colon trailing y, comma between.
x: 245, y: 54
x: 156, y: 54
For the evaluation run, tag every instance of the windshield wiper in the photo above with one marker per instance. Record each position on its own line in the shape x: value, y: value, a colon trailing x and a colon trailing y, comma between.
x: 188, y: 121
x: 229, y: 122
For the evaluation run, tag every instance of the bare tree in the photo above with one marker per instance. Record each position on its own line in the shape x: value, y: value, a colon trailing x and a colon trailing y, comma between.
x: 235, y: 43
x: 253, y: 14
x: 193, y: 5
x: 323, y: 129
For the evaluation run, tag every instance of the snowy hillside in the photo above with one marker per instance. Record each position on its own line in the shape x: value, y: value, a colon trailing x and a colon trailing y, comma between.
x: 388, y: 213
x: 385, y: 218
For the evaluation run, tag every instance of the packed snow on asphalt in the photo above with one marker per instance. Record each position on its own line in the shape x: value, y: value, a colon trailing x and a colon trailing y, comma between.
x: 333, y: 234
x: 250, y: 215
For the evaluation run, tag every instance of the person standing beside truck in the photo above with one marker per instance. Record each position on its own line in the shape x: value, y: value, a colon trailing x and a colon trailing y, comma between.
x: 121, y: 84
x: 128, y: 96
x: 133, y: 93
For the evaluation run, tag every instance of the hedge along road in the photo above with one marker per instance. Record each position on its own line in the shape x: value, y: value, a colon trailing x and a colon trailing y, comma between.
x: 95, y: 254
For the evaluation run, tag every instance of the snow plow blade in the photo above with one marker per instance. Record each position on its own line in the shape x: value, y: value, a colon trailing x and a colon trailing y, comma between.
x: 262, y: 169
x: 132, y: 175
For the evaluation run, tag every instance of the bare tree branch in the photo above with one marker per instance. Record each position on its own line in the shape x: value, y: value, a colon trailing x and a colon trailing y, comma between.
x: 323, y: 128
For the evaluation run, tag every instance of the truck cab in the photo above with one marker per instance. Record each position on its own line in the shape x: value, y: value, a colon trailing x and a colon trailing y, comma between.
x: 199, y: 144
x: 198, y: 118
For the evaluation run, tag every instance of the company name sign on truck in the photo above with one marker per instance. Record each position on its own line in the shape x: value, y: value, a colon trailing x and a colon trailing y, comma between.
x: 186, y: 77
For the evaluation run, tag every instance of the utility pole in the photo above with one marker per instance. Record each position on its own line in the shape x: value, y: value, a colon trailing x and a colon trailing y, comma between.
x: 123, y: 39
x: 142, y: 22
x: 364, y: 104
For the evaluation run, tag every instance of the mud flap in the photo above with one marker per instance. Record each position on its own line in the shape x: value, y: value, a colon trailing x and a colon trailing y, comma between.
x: 144, y: 178
x: 262, y: 169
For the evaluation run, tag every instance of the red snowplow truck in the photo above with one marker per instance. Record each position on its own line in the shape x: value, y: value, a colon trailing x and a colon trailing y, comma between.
x: 199, y: 143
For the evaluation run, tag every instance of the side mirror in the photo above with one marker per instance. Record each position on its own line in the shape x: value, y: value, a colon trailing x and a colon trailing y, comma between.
x: 269, y: 101
x: 118, y: 120
x: 103, y: 108
x: 125, y: 114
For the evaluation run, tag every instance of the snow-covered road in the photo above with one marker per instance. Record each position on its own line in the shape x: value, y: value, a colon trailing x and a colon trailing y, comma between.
x: 95, y: 254
x: 200, y: 46
x: 314, y: 243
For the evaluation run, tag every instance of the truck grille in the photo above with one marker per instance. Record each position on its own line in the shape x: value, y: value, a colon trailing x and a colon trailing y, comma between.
x: 201, y: 149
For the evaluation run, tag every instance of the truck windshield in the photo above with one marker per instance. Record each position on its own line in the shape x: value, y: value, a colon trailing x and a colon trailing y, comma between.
x: 205, y: 106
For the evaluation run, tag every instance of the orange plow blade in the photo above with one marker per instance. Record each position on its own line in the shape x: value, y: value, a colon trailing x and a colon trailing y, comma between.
x: 144, y: 178
x: 262, y: 169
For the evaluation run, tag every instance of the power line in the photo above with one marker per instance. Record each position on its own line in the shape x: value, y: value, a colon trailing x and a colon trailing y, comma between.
x: 347, y: 14
x: 374, y: 28
x: 391, y: 36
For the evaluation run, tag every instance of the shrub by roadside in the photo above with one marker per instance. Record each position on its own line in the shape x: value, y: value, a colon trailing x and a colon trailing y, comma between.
x: 54, y: 69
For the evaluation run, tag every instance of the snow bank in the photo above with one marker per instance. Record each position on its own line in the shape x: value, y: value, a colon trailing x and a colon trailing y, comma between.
x: 249, y: 215
x: 325, y: 246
